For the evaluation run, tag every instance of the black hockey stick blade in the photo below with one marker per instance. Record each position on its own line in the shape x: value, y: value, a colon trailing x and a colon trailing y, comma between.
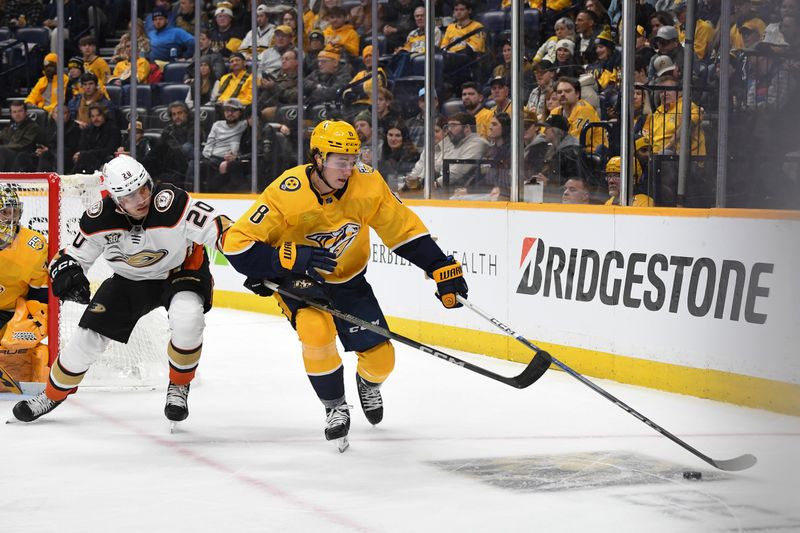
x: 7, y: 381
x: 736, y: 464
x: 538, y: 365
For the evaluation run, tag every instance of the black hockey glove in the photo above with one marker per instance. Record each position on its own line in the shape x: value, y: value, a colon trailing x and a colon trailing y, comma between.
x: 307, y: 288
x: 303, y: 260
x: 257, y: 286
x: 68, y: 280
x: 450, y: 281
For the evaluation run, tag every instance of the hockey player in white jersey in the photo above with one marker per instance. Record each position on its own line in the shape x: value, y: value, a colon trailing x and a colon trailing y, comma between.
x: 153, y: 239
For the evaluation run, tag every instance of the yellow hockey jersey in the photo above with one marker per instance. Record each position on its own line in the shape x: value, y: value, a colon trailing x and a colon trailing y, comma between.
x: 291, y: 210
x: 477, y: 41
x: 23, y: 265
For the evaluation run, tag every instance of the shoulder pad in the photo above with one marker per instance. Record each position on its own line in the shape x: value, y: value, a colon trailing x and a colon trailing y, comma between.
x: 102, y: 216
x: 166, y: 206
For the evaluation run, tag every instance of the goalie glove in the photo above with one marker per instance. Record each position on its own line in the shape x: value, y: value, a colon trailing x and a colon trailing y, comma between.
x: 68, y: 280
x: 303, y: 260
x: 28, y: 326
x: 257, y: 286
x: 450, y: 282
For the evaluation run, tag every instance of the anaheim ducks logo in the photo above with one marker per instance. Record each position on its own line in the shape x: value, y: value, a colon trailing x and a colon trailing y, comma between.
x: 142, y: 259
x: 95, y: 209
x: 338, y: 240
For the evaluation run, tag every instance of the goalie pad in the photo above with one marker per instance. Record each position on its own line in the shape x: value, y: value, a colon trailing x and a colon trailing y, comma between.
x: 28, y: 327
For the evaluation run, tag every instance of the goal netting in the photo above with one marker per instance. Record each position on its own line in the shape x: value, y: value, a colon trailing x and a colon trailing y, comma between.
x: 53, y: 205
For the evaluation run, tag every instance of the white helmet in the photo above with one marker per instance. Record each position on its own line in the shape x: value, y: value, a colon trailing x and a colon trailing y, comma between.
x: 123, y: 175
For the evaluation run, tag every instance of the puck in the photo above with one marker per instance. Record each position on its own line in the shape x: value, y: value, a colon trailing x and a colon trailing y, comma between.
x: 692, y: 475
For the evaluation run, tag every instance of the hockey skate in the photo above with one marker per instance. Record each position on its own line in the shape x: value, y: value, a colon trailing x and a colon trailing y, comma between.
x: 176, y: 408
x: 371, y: 401
x: 337, y: 425
x: 31, y: 409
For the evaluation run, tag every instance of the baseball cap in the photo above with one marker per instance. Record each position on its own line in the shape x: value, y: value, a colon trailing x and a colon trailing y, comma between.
x: 367, y: 51
x: 262, y: 10
x: 160, y: 11
x: 237, y: 54
x: 139, y: 126
x: 330, y: 54
x: 662, y: 65
x: 50, y: 59
x: 233, y: 103
x: 316, y: 34
x: 421, y: 93
x: 283, y: 28
x: 499, y: 79
x: 222, y: 10
x: 668, y: 33
x: 555, y: 121
x: 544, y: 64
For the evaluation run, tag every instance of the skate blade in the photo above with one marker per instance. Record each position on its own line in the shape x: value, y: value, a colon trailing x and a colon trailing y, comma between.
x: 342, y: 444
x: 173, y: 427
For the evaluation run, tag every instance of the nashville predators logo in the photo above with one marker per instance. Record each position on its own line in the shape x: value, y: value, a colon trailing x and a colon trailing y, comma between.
x: 142, y: 259
x: 338, y: 240
x: 290, y: 184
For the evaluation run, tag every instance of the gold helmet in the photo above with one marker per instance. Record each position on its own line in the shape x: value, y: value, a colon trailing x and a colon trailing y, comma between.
x: 614, y: 166
x: 335, y: 137
x: 10, y: 215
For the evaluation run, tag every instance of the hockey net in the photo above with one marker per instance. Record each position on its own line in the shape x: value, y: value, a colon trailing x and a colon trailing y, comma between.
x: 53, y: 205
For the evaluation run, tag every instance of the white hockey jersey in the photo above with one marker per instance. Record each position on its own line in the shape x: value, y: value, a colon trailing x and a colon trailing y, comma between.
x: 152, y: 249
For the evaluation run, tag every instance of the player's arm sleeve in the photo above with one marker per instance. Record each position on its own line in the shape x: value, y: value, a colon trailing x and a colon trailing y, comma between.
x: 85, y: 248
x: 205, y: 225
x: 248, y: 244
x: 403, y: 231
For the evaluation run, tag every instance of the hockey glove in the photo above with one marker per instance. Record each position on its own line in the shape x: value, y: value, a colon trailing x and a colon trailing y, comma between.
x: 303, y: 260
x: 68, y: 280
x: 450, y: 282
x: 306, y: 289
x: 257, y: 286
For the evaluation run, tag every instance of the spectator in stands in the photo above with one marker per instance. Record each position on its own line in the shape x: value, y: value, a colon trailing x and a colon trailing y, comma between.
x: 209, y: 84
x: 613, y: 168
x: 562, y: 156
x: 163, y: 40
x: 237, y: 83
x: 324, y: 84
x: 399, y: 21
x: 657, y: 20
x: 773, y: 32
x: 74, y: 22
x: 141, y: 38
x: 566, y: 64
x: 589, y: 90
x: 472, y: 99
x: 497, y: 176
x: 417, y: 124
x: 504, y: 68
x: 74, y: 71
x: 21, y: 13
x: 98, y: 141
x: 18, y: 140
x: 703, y: 32
x: 603, y: 20
x: 398, y: 154
x: 122, y: 69
x: 414, y: 181
x: 414, y: 44
x: 606, y: 70
x: 463, y: 41
x: 80, y: 105
x: 320, y: 20
x: 92, y: 62
x: 576, y: 191
x: 43, y: 93
x: 184, y: 16
x: 241, y: 15
x: 175, y: 147
x: 790, y: 31
x: 48, y: 148
x: 363, y: 126
x: 166, y: 6
x: 361, y: 17
x: 545, y: 79
x: 467, y: 144
x: 144, y: 147
x: 746, y: 21
x: 225, y: 36
x: 279, y: 90
x: 577, y: 112
x: 359, y: 91
x: 641, y: 110
x: 663, y: 65
x: 219, y: 65
x: 222, y: 148
x: 289, y: 18
x: 264, y: 33
x: 316, y: 42
x: 564, y: 29
x: 501, y: 95
x: 339, y: 35
x: 663, y: 127
x: 387, y: 114
x: 666, y: 43
x: 270, y: 59
x: 587, y: 29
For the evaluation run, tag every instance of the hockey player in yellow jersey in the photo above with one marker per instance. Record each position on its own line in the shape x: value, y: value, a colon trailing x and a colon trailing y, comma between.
x: 313, y: 222
x: 23, y: 294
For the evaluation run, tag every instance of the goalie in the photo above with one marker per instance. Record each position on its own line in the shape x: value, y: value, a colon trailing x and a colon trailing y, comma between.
x: 23, y: 297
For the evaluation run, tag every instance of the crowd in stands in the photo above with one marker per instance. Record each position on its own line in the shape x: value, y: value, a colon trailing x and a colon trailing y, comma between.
x: 570, y: 93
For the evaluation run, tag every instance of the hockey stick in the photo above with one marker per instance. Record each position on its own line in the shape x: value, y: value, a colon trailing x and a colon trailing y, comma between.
x: 535, y: 369
x: 742, y: 462
x: 9, y: 382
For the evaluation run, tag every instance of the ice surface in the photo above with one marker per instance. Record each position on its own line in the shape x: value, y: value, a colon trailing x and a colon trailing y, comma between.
x: 455, y: 452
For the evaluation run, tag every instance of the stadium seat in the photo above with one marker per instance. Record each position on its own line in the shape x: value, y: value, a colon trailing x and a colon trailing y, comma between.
x: 208, y: 115
x: 172, y: 92
x: 159, y: 117
x: 494, y: 21
x: 144, y: 96
x: 418, y: 67
x: 5, y: 34
x: 318, y: 113
x: 38, y: 115
x: 287, y: 114
x: 115, y: 95
x: 531, y: 26
x: 37, y: 36
x: 174, y: 72
x: 367, y: 40
x: 450, y: 107
x: 125, y: 117
x: 406, y: 94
